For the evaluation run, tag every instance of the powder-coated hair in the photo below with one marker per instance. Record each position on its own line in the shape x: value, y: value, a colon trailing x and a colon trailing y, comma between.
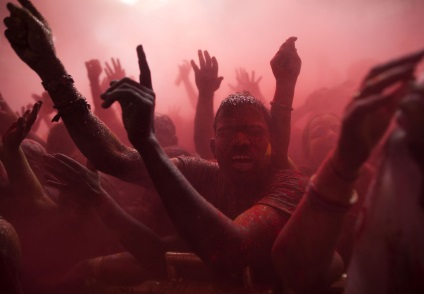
x: 243, y: 98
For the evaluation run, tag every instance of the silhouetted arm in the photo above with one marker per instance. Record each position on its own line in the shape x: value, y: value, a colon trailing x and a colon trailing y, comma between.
x: 286, y: 68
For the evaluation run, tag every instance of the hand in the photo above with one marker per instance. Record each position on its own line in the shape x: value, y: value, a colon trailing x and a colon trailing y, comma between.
x: 286, y: 63
x: 184, y: 71
x: 138, y: 106
x: 247, y: 83
x: 206, y: 77
x: 368, y: 115
x: 116, y: 73
x: 94, y: 69
x: 29, y: 35
x: 68, y: 175
x: 20, y: 129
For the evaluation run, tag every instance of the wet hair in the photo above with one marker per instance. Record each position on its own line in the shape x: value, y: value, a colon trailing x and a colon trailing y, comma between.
x: 242, y: 98
x: 165, y: 130
x: 307, y: 131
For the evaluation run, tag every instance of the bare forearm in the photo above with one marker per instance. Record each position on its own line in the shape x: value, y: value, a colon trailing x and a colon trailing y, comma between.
x: 305, y: 251
x: 191, y: 93
x: 203, y: 122
x: 138, y: 239
x: 108, y: 116
x: 281, y: 122
x: 89, y: 133
x: 25, y: 184
x: 205, y: 229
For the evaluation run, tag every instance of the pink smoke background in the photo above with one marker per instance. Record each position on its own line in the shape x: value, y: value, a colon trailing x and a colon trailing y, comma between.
x: 332, y: 36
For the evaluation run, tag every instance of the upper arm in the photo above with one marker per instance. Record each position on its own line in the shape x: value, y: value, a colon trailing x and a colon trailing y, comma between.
x: 260, y: 226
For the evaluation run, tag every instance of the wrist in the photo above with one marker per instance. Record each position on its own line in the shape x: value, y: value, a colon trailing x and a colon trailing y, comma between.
x: 141, y: 142
x: 286, y: 82
x: 50, y: 70
x: 334, y: 184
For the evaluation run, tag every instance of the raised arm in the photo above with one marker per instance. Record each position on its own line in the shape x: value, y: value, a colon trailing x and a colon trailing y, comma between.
x: 285, y: 66
x: 307, y: 261
x: 86, y: 191
x: 184, y: 77
x: 31, y: 38
x: 27, y: 189
x: 207, y: 82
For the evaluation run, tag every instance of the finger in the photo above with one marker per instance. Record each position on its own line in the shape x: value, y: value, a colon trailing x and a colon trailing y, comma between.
x: 145, y: 75
x: 125, y: 95
x: 25, y: 112
x: 20, y: 129
x: 114, y: 63
x: 108, y: 69
x: 215, y: 66
x: 219, y: 81
x: 289, y: 43
x: 390, y: 78
x: 125, y: 81
x: 369, y: 105
x: 201, y: 59
x: 195, y: 67
x: 31, y: 8
x: 33, y: 115
x: 130, y: 89
x: 16, y: 32
x: 36, y: 97
x: 56, y: 184
x: 413, y: 58
x: 208, y: 61
x: 253, y: 76
x: 21, y: 13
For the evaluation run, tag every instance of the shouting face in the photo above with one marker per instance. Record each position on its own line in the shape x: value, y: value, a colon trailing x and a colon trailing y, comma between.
x: 241, y: 144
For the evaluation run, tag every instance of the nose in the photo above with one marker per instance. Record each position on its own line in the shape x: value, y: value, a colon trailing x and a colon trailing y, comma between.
x: 240, y: 139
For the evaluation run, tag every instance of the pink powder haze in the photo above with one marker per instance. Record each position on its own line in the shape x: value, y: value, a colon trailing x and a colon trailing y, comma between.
x: 332, y: 36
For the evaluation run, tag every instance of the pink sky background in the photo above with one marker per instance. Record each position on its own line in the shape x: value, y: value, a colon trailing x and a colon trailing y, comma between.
x: 332, y: 35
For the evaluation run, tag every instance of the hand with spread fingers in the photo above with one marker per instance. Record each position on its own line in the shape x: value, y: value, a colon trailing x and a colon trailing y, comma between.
x: 206, y: 74
x: 246, y: 82
x: 183, y: 72
x: 29, y: 34
x: 20, y: 129
x: 114, y: 72
x: 368, y: 115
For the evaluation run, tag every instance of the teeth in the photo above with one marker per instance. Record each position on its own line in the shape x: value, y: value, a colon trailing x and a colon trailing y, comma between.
x: 240, y: 157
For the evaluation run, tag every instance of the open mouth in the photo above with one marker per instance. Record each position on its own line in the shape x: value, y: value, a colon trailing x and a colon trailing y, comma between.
x: 242, y: 162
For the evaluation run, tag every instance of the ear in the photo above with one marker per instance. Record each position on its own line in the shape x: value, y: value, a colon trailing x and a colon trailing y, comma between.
x: 212, y: 144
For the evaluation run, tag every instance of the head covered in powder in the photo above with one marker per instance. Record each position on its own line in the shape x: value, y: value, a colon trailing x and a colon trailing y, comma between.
x: 165, y: 130
x: 242, y: 98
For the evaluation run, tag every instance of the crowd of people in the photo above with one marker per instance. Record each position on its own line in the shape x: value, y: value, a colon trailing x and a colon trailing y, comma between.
x: 100, y: 204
